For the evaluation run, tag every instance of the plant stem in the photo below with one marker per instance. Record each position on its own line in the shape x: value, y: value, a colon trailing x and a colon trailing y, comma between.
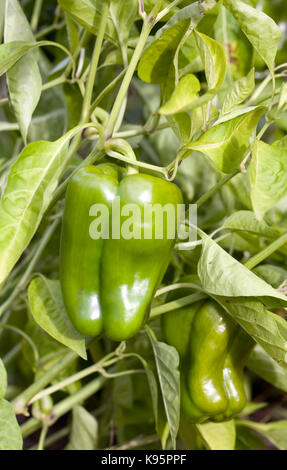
x: 137, y: 163
x: 52, y: 83
x: 105, y: 361
x: 202, y: 200
x: 68, y: 403
x: 94, y: 64
x: 65, y: 405
x: 266, y: 252
x: 137, y: 442
x: 22, y: 284
x: 56, y: 436
x: 166, y: 10
x: 107, y: 89
x: 53, y: 27
x: 36, y: 14
x: 175, y: 304
x: 43, y: 435
x: 21, y: 401
x: 147, y: 26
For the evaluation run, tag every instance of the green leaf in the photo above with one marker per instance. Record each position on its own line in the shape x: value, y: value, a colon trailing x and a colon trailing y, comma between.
x: 274, y: 275
x: 2, y: 16
x: 47, y: 308
x: 184, y: 94
x: 223, y: 275
x: 247, y: 222
x: 123, y: 17
x: 88, y: 14
x: 276, y: 432
x: 10, y: 433
x: 72, y: 32
x: 11, y: 52
x: 3, y: 380
x: 157, y: 59
x: 167, y: 362
x: 218, y: 436
x: 213, y: 57
x: 266, y: 328
x: 238, y: 48
x: 226, y: 143
x: 281, y: 142
x: 260, y: 29
x: 193, y: 12
x: 241, y: 89
x: 246, y: 439
x: 24, y: 78
x: 283, y: 97
x: 31, y: 184
x: 263, y: 365
x: 268, y: 176
x: 84, y: 432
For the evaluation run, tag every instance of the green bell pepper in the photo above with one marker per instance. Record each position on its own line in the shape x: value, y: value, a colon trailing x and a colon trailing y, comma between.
x: 108, y: 283
x: 213, y: 351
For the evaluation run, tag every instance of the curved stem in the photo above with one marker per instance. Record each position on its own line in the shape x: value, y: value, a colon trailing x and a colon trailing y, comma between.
x: 148, y: 166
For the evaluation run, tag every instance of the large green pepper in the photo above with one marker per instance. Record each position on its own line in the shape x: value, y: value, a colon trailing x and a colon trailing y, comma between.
x: 213, y: 351
x: 108, y: 283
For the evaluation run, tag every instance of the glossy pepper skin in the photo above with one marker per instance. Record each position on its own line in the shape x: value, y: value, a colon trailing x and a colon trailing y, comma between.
x: 107, y: 284
x: 213, y: 351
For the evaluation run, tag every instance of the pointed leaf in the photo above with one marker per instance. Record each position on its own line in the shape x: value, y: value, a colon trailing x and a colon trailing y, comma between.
x: 218, y: 436
x: 84, y: 432
x: 213, y: 57
x: 265, y: 327
x: 223, y: 275
x: 184, y: 94
x: 31, y: 183
x: 47, y: 308
x: 238, y: 48
x: 226, y: 143
x: 88, y: 14
x: 157, y: 59
x: 241, y: 89
x: 263, y: 365
x: 268, y: 176
x: 260, y: 29
x: 167, y: 362
x: 123, y: 18
x: 24, y: 78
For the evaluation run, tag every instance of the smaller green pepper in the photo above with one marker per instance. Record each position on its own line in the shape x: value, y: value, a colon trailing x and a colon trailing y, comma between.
x: 213, y: 351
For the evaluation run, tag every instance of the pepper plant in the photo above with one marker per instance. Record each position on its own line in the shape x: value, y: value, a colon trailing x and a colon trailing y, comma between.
x: 186, y: 93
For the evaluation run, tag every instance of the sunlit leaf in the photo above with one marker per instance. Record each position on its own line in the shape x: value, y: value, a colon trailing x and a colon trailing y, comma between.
x: 24, y: 78
x: 226, y: 143
x: 260, y: 29
x: 268, y: 176
x: 10, y: 433
x: 47, y: 308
